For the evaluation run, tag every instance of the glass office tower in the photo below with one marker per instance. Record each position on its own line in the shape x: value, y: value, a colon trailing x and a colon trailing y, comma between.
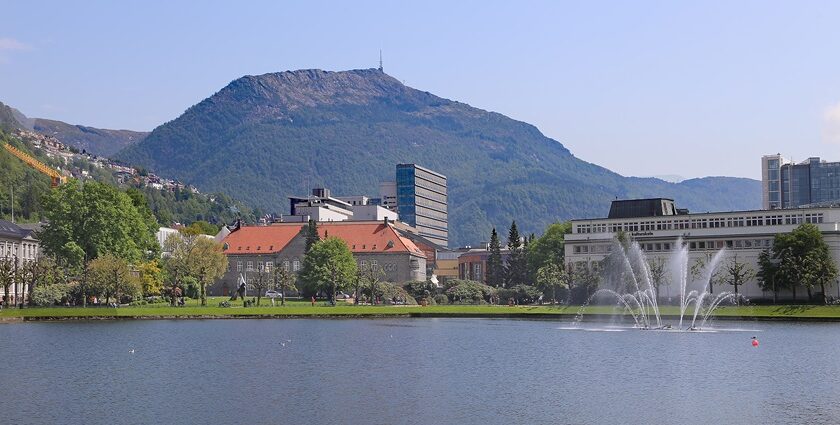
x: 789, y: 185
x: 421, y: 202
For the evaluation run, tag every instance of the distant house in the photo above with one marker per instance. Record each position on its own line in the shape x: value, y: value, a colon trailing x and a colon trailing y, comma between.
x: 254, y: 249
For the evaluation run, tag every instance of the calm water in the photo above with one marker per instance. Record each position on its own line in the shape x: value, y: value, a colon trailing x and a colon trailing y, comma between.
x: 418, y: 371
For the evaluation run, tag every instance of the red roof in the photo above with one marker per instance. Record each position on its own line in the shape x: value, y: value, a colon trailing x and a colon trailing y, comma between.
x: 360, y: 236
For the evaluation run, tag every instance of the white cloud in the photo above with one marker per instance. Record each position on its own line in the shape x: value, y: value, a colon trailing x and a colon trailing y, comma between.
x: 7, y: 43
x: 831, y: 124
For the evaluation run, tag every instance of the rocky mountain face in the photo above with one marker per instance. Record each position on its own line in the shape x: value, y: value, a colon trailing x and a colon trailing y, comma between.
x: 263, y: 138
x: 98, y: 141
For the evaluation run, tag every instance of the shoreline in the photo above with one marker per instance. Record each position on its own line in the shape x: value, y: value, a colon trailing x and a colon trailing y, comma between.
x: 93, y: 315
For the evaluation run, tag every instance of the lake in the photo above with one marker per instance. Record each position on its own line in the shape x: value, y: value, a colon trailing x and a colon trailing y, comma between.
x: 414, y: 371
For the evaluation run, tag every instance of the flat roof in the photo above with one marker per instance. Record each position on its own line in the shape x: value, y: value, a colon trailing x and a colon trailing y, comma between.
x: 660, y: 217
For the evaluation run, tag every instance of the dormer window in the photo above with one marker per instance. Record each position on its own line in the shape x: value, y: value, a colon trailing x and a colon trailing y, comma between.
x: 258, y: 248
x: 271, y: 248
x: 374, y: 247
x: 239, y: 249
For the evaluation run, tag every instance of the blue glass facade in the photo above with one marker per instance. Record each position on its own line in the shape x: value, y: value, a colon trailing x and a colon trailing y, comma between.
x: 810, y: 182
x: 422, y: 201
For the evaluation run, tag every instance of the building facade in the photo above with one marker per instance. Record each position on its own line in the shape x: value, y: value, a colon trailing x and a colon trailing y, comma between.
x: 744, y: 234
x: 19, y: 245
x: 790, y: 185
x: 255, y: 249
x: 422, y: 201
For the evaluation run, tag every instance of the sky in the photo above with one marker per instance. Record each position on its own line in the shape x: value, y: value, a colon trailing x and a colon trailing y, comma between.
x: 643, y: 88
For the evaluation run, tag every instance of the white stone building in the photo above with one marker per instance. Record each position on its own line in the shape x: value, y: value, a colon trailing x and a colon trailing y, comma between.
x: 741, y: 233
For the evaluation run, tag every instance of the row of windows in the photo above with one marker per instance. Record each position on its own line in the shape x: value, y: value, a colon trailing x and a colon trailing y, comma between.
x: 373, y: 265
x: 266, y: 266
x: 420, y: 174
x: 701, y: 223
x: 692, y: 246
x: 10, y: 249
x: 428, y: 212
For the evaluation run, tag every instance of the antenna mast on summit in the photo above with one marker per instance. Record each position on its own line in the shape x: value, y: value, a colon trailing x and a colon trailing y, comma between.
x: 380, y: 61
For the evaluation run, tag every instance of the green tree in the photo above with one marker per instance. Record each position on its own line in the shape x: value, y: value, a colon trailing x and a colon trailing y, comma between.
x: 98, y: 219
x: 311, y: 234
x: 208, y: 264
x: 151, y: 277
x: 803, y: 260
x: 110, y: 276
x: 329, y: 266
x: 552, y: 276
x: 549, y: 247
x: 585, y: 279
x: 766, y: 274
x: 202, y: 227
x: 516, y: 269
x: 177, y: 266
x: 495, y: 266
x: 737, y: 273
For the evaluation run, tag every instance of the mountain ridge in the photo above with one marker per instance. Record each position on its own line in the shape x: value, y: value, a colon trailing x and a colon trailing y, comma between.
x: 98, y: 141
x: 269, y: 136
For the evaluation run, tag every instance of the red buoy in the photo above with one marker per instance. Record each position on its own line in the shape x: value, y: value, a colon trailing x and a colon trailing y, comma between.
x: 754, y: 342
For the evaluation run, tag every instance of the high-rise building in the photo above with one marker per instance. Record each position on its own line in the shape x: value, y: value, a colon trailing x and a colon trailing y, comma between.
x: 786, y: 184
x: 421, y: 202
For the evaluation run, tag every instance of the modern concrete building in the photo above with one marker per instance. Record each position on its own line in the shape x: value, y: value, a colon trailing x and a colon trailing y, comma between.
x: 422, y: 201
x: 321, y: 207
x: 741, y: 233
x: 786, y: 184
x: 251, y: 249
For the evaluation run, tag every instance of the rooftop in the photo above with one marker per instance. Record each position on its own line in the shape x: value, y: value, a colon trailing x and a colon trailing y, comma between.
x: 360, y: 237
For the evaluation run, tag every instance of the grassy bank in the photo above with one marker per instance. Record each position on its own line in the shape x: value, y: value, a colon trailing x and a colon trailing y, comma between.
x: 305, y: 309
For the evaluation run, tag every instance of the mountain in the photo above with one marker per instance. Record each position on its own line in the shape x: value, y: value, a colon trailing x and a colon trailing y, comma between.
x: 265, y: 137
x: 9, y: 118
x: 97, y: 141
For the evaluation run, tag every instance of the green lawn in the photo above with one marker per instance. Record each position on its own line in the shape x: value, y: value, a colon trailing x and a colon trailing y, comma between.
x: 298, y: 308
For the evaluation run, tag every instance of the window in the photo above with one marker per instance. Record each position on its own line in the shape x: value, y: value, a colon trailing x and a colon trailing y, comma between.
x: 373, y: 265
x: 363, y: 264
x: 260, y: 266
x: 268, y: 266
x: 295, y: 265
x: 239, y: 266
x: 249, y: 266
x: 286, y: 265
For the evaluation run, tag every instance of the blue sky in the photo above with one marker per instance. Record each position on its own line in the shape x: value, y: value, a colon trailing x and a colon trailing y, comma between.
x: 643, y: 88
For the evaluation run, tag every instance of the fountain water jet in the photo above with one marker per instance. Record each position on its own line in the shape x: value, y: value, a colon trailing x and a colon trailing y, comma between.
x: 637, y: 294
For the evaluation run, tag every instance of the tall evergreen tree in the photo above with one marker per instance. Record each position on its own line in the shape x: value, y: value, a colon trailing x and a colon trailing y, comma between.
x: 495, y: 267
x: 516, y: 269
x: 311, y: 234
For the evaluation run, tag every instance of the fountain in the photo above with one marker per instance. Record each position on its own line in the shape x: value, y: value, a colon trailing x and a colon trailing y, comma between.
x: 628, y: 270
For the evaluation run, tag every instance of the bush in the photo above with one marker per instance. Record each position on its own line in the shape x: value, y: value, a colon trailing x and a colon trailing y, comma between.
x: 419, y: 289
x: 46, y: 295
x: 441, y: 299
x: 469, y: 292
x: 388, y: 291
x: 521, y: 294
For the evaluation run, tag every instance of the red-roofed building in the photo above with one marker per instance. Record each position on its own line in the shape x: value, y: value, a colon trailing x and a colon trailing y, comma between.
x: 251, y: 249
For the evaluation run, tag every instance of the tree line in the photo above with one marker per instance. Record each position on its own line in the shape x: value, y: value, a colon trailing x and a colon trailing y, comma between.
x: 98, y: 244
